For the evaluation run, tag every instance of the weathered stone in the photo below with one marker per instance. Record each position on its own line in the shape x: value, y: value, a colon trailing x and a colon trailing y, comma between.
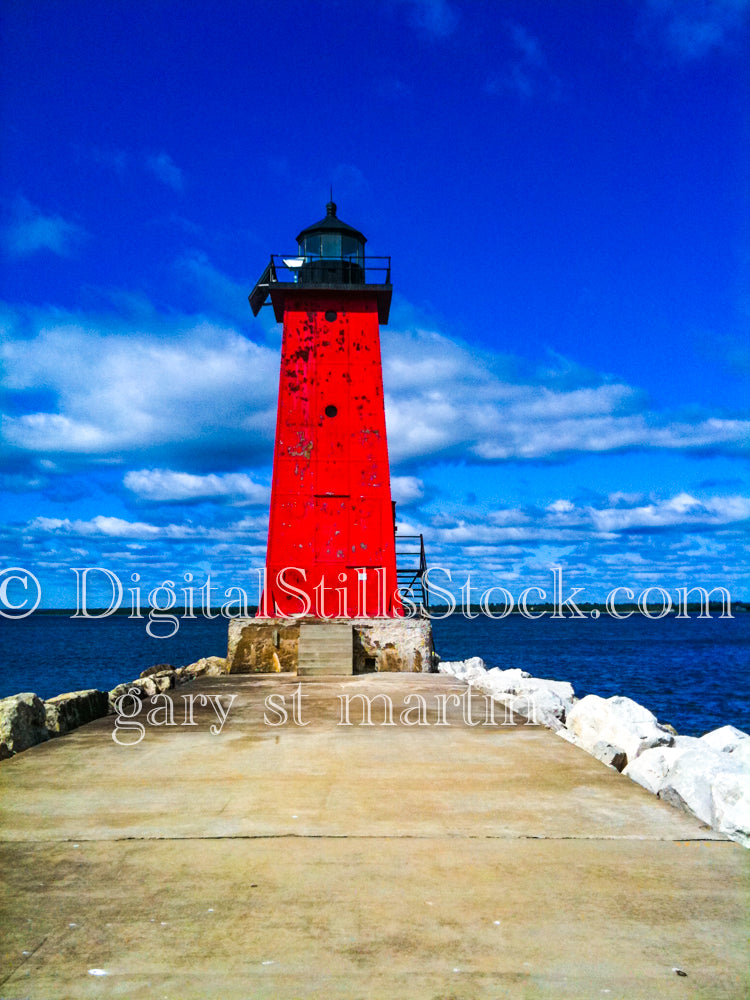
x: 730, y: 804
x: 144, y: 687
x: 613, y: 756
x: 156, y: 683
x: 741, y: 755
x: 22, y: 721
x: 465, y: 670
x: 116, y: 693
x: 651, y: 767
x: 537, y: 699
x: 500, y: 681
x: 263, y: 645
x: 688, y: 743
x: 207, y: 666
x: 619, y: 721
x: 689, y: 780
x: 68, y: 711
x: 158, y: 668
x: 724, y: 739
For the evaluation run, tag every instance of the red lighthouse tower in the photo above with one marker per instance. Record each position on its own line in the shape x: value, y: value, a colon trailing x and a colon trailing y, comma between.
x: 331, y: 545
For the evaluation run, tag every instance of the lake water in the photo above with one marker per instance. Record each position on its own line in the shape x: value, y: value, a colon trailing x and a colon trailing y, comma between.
x: 692, y: 673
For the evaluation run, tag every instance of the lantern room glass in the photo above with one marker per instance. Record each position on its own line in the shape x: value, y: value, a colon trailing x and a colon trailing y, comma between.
x: 337, y: 246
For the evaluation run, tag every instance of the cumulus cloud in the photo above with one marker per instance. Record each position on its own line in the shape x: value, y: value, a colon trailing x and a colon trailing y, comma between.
x: 199, y: 398
x: 683, y: 511
x: 563, y: 520
x: 200, y: 391
x: 445, y: 400
x: 168, y: 486
x: 406, y: 490
x: 30, y: 231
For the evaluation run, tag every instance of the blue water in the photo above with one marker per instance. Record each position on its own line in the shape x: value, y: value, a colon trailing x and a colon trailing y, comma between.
x: 691, y: 673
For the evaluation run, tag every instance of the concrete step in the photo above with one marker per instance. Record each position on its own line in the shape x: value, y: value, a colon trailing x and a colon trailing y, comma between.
x: 325, y: 648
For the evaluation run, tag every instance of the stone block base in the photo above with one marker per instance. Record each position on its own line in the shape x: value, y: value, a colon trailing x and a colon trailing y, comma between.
x: 272, y: 645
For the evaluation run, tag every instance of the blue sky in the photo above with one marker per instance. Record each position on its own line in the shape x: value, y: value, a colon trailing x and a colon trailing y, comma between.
x: 563, y: 187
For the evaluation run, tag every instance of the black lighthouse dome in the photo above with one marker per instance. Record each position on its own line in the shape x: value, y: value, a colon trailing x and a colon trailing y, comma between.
x: 333, y: 252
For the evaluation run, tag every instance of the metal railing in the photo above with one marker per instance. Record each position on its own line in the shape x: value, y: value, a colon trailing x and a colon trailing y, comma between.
x: 412, y: 576
x: 351, y: 270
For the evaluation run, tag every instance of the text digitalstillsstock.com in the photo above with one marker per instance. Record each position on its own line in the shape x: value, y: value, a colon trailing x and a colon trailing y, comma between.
x: 164, y: 606
x: 279, y: 709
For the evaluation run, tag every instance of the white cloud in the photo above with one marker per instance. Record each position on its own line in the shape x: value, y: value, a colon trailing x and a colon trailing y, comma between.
x: 683, y: 511
x: 527, y: 72
x: 176, y: 388
x: 167, y: 486
x: 445, y: 400
x: 406, y: 490
x: 102, y: 527
x: 435, y: 17
x: 693, y: 28
x: 166, y: 170
x: 32, y: 231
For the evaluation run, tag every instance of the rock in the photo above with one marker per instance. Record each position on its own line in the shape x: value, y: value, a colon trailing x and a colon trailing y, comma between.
x: 741, y: 755
x: 145, y: 687
x: 22, y: 722
x: 497, y: 681
x: 566, y: 735
x: 730, y: 803
x: 69, y: 711
x: 724, y: 739
x: 619, y: 721
x: 688, y: 743
x: 207, y: 666
x: 608, y: 754
x: 463, y: 669
x: 539, y: 700
x: 158, y: 668
x: 155, y: 683
x: 651, y: 767
x: 688, y: 782
x: 114, y: 694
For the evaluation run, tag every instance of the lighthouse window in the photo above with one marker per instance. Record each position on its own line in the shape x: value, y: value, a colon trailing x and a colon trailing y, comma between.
x: 331, y: 245
x: 331, y: 410
x: 331, y: 315
x: 351, y: 248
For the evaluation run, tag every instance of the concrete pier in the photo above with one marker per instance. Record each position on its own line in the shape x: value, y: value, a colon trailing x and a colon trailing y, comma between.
x: 288, y: 855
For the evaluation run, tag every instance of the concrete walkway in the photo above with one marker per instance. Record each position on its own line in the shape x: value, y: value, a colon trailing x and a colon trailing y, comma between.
x: 440, y: 861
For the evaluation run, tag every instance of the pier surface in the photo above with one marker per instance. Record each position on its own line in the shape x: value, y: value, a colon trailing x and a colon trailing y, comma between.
x: 334, y: 861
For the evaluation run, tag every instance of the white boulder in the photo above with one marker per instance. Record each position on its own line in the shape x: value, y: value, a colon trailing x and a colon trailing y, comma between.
x: 618, y: 721
x: 688, y: 783
x: 463, y: 670
x: 725, y: 739
x: 497, y: 681
x: 730, y: 805
x: 651, y: 767
x: 741, y: 755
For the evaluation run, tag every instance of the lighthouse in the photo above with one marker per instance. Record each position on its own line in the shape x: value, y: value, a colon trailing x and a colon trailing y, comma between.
x: 331, y: 537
